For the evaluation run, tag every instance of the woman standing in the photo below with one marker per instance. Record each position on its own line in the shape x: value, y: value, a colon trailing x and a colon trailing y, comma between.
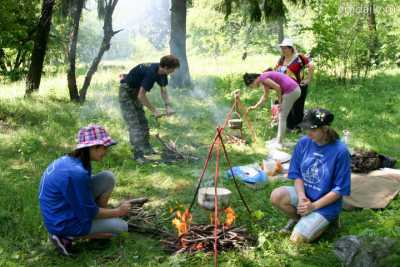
x: 320, y: 168
x: 288, y: 92
x: 73, y: 202
x: 293, y: 64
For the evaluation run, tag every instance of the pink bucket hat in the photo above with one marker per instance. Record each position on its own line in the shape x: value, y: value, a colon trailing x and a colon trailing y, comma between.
x: 93, y: 135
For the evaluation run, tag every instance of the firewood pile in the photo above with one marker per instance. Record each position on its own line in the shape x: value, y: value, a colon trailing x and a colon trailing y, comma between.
x: 170, y: 152
x: 232, y: 139
x: 144, y: 221
x: 200, y: 238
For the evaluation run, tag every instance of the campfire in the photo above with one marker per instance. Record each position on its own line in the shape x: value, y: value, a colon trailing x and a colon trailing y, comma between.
x: 220, y: 234
x: 193, y: 238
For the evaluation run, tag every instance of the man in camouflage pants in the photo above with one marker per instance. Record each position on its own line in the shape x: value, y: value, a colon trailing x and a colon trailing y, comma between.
x: 132, y: 98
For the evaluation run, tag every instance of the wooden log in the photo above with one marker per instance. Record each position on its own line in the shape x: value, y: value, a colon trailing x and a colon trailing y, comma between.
x: 138, y: 201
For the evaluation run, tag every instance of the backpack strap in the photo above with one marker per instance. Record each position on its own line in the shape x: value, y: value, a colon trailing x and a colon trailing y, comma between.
x: 302, y: 60
x: 281, y: 59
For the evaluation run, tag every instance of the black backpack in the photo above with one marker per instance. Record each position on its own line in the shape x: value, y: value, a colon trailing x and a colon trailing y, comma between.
x: 364, y: 161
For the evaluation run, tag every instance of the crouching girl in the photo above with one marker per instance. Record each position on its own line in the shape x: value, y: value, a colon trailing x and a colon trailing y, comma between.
x: 73, y: 202
x: 320, y: 168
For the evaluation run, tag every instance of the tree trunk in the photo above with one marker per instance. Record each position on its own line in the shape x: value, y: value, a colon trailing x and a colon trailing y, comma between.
x: 181, y: 78
x: 73, y: 41
x: 39, y: 48
x: 3, y: 67
x: 105, y: 45
x: 373, y: 35
x: 280, y: 21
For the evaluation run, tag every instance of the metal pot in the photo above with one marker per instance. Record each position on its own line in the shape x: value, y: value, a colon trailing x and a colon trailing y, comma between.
x: 205, y: 197
x: 235, y: 123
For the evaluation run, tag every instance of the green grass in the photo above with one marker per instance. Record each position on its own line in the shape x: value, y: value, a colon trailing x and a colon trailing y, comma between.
x: 33, y: 132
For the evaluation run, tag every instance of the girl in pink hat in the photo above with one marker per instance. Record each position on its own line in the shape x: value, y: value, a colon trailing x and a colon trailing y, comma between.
x: 73, y: 202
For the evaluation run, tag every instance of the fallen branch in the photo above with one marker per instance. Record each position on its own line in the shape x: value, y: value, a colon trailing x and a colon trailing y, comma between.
x: 148, y: 230
x: 138, y: 201
x: 171, y: 153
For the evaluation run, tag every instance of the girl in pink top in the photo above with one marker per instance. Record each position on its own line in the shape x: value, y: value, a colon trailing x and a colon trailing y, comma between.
x: 287, y: 89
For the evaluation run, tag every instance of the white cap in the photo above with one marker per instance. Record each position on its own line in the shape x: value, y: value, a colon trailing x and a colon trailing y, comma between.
x: 287, y: 42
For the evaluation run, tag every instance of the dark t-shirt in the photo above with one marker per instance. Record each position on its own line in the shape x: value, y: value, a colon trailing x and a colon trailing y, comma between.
x: 144, y: 75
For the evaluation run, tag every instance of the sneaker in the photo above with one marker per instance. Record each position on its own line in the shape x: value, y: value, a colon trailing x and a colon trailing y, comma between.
x: 62, y: 244
x: 288, y: 227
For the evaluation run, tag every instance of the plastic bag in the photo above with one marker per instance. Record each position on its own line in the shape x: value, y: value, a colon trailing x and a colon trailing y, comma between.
x: 251, y: 175
x: 272, y: 167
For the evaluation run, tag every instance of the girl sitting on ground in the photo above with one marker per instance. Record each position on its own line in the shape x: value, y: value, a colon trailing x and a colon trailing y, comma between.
x: 320, y: 168
x: 73, y: 202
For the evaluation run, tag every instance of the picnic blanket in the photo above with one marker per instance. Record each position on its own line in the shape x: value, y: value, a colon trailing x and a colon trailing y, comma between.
x: 374, y: 190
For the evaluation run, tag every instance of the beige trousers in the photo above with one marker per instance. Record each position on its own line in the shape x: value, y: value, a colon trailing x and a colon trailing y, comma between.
x: 287, y: 103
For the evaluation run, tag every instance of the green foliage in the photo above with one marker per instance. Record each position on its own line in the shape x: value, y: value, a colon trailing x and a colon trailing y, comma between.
x: 343, y: 38
x: 257, y: 9
x: 17, y: 28
x: 33, y: 132
x: 210, y: 33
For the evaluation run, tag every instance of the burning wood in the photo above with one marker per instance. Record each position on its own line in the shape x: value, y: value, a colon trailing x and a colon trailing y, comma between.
x: 200, y: 237
x: 182, y: 222
x: 230, y: 217
x: 194, y: 238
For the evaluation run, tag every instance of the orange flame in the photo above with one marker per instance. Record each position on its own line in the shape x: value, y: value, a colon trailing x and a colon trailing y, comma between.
x: 182, y: 222
x: 199, y: 246
x: 230, y: 217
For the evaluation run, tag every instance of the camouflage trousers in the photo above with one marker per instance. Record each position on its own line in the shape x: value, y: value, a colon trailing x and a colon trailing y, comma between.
x: 134, y: 116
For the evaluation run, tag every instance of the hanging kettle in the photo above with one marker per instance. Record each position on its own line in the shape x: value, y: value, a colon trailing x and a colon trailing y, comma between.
x: 235, y: 123
x: 205, y: 197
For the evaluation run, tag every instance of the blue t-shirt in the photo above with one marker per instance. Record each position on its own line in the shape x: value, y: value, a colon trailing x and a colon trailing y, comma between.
x: 66, y: 201
x: 323, y: 169
x: 145, y: 75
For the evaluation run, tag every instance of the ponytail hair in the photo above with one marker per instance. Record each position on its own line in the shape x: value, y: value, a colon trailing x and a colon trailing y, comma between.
x: 330, y: 135
x: 249, y: 78
x: 84, y: 155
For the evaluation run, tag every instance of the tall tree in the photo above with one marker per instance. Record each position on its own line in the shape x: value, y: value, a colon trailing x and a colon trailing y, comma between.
x: 76, y: 8
x: 39, y: 48
x: 181, y: 78
x: 105, y: 10
x: 373, y: 45
x: 281, y: 23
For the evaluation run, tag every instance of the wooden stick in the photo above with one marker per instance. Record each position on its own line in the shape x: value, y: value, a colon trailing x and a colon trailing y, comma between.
x: 138, y: 201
